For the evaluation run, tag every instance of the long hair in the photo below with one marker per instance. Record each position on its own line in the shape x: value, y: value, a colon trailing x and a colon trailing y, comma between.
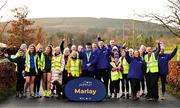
x: 50, y: 53
x: 32, y: 45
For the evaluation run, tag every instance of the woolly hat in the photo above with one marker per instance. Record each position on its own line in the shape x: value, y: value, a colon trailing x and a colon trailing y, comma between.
x: 23, y: 46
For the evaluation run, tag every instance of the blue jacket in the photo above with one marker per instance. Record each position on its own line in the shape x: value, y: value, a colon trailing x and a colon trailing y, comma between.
x: 136, y: 67
x: 103, y: 58
x: 92, y: 60
x: 163, y: 60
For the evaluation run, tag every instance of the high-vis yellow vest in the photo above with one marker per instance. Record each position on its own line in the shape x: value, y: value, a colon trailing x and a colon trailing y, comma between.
x: 152, y: 63
x: 115, y: 75
x: 41, y: 62
x: 74, y: 67
x: 27, y: 67
x: 125, y: 65
x: 56, y: 62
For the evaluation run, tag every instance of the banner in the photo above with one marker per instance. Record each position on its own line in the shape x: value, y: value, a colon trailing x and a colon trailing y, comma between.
x: 85, y: 89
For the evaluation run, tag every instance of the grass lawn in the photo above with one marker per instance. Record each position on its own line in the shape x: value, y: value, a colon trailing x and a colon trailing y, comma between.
x: 7, y: 92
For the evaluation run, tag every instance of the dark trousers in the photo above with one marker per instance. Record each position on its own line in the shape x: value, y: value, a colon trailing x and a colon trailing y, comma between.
x: 114, y: 86
x: 65, y: 78
x: 135, y: 86
x: 59, y: 88
x: 86, y: 73
x: 163, y: 83
x: 104, y: 74
x: 125, y: 81
x: 143, y: 84
x: 37, y: 82
x: 152, y: 85
x: 20, y: 82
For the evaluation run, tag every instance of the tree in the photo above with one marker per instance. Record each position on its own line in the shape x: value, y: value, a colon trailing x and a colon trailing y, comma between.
x: 38, y: 36
x: 21, y: 28
x: 4, y: 4
x: 171, y: 21
x: 2, y: 28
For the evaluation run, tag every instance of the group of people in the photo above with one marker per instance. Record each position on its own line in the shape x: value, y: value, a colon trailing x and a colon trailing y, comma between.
x: 112, y: 64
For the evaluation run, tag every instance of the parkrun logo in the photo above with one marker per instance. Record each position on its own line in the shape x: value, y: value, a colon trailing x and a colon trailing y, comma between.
x: 85, y: 91
x: 85, y: 84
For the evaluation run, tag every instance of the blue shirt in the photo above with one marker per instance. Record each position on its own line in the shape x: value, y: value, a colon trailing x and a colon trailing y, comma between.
x: 32, y: 65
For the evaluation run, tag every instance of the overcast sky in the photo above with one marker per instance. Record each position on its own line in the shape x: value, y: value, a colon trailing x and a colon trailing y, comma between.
x: 123, y: 9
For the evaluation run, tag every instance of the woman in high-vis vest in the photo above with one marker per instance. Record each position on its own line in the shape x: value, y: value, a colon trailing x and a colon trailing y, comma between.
x: 116, y: 75
x: 74, y: 66
x: 135, y: 75
x: 152, y: 73
x: 30, y: 70
x: 47, y: 72
x: 40, y: 68
x: 57, y: 66
x: 125, y: 80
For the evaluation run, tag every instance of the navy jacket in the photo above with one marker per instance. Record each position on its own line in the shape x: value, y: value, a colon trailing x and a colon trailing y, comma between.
x: 92, y: 60
x: 136, y: 67
x: 20, y: 61
x: 163, y: 60
x: 103, y: 58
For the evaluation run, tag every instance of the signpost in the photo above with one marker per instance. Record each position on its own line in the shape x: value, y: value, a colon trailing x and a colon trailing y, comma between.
x: 85, y: 89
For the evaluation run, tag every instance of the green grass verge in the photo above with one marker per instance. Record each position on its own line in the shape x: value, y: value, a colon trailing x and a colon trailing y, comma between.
x: 7, y: 92
x: 172, y: 90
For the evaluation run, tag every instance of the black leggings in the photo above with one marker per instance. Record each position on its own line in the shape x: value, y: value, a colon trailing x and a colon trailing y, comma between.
x: 124, y: 81
x: 104, y: 73
x: 65, y: 78
x: 152, y: 85
x: 37, y: 82
x: 163, y: 83
x: 114, y: 86
x: 20, y: 82
x: 135, y: 86
x: 143, y: 84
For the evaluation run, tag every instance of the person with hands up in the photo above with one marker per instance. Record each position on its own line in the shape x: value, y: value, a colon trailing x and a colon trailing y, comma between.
x: 163, y: 60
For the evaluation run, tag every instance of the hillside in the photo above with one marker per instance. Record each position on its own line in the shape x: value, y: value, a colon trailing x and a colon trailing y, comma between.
x: 96, y: 25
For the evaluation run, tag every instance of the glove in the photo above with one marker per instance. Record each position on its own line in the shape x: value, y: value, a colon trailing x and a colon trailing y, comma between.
x: 6, y: 55
x: 69, y: 75
x: 113, y: 69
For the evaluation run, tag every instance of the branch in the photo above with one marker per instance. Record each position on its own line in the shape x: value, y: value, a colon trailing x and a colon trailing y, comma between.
x: 4, y: 4
x: 168, y: 27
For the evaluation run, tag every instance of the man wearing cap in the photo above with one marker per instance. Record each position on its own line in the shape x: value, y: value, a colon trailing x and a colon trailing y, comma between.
x: 88, y: 58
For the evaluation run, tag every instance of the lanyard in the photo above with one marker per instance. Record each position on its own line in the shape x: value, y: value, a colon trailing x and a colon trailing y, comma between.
x: 88, y: 55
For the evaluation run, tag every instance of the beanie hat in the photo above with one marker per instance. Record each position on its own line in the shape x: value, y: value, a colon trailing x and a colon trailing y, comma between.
x: 23, y: 46
x: 114, y: 48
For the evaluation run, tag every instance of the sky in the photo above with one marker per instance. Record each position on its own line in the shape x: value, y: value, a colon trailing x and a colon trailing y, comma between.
x: 122, y: 9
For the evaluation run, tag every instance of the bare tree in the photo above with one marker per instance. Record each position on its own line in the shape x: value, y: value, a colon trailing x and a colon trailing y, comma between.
x: 171, y: 21
x: 3, y: 4
x: 3, y: 28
